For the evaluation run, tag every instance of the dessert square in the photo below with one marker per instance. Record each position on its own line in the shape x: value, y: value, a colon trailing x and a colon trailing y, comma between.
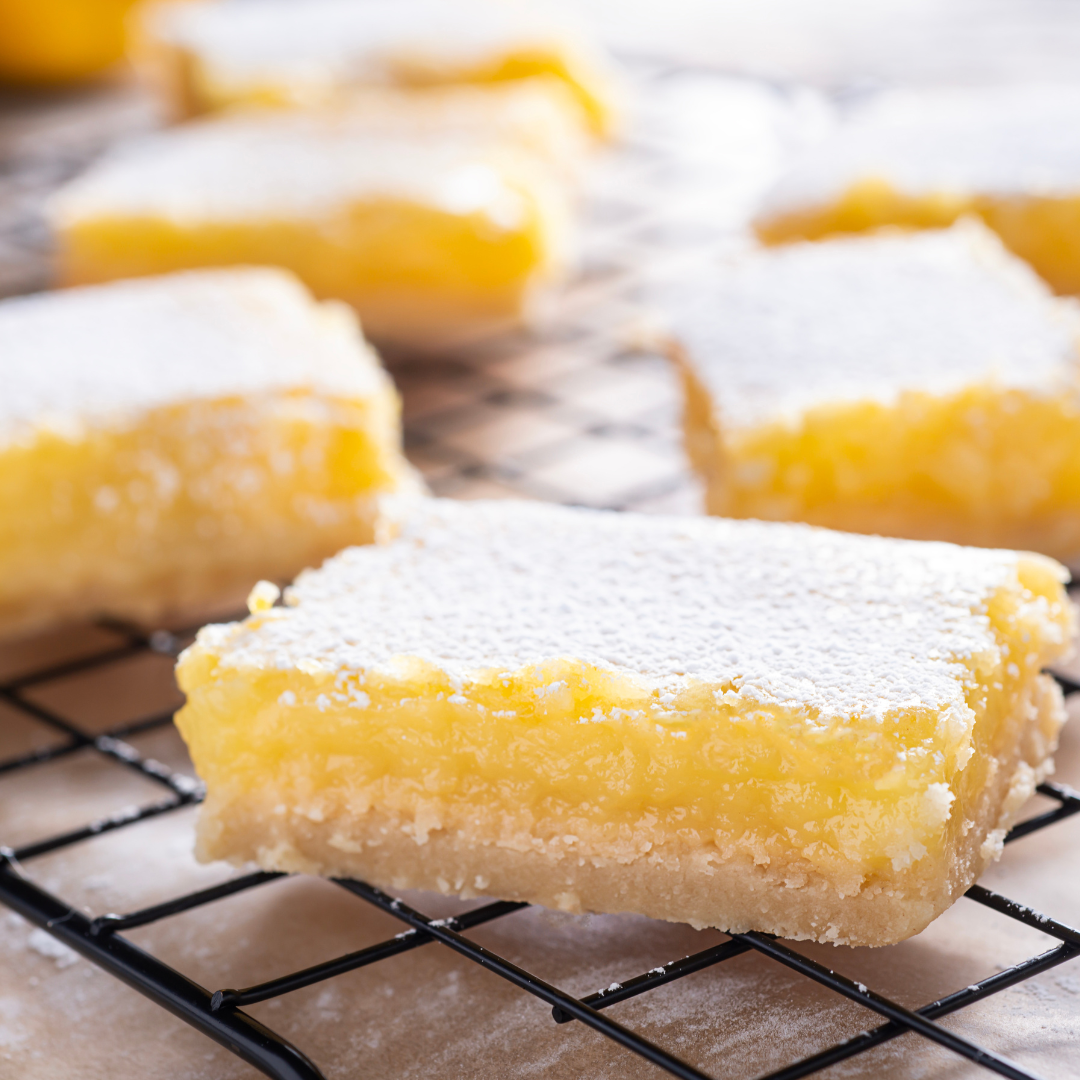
x: 921, y: 159
x: 166, y: 443
x: 54, y: 42
x: 736, y: 724
x: 274, y: 52
x: 921, y: 385
x: 432, y: 237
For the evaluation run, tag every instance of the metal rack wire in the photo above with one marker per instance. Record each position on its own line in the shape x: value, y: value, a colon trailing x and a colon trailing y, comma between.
x: 220, y: 1013
x: 571, y: 416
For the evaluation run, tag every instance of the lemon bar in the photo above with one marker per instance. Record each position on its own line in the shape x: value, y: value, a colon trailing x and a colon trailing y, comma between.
x: 921, y: 385
x: 166, y: 443
x: 432, y: 238
x: 922, y: 159
x: 279, y: 53
x: 50, y: 42
x: 734, y: 724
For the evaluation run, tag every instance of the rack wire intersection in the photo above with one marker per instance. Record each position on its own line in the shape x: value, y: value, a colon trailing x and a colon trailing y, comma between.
x: 220, y: 1015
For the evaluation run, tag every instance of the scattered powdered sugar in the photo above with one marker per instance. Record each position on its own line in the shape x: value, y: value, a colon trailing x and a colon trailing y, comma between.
x: 840, y: 624
x: 43, y: 943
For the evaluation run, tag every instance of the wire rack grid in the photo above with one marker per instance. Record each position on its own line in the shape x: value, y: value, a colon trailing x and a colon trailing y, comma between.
x: 572, y: 413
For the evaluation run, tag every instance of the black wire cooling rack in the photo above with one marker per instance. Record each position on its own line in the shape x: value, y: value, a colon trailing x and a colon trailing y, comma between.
x: 220, y: 1013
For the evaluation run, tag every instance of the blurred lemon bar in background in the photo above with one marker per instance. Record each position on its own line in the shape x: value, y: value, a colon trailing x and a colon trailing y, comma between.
x: 736, y: 724
x: 166, y: 443
x: 920, y: 384
x: 538, y: 115
x: 922, y: 159
x: 276, y: 52
x: 50, y: 42
x: 433, y: 238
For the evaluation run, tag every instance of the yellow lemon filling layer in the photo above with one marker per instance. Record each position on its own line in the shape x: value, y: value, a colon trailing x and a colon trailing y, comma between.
x: 987, y: 466
x: 188, y: 504
x: 1044, y: 231
x: 721, y: 799
x: 1007, y: 155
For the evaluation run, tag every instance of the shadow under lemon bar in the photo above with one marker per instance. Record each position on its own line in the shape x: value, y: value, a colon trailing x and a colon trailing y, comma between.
x: 744, y: 725
x: 213, y: 56
x: 166, y: 443
x: 1009, y: 155
x: 432, y: 238
x: 923, y: 385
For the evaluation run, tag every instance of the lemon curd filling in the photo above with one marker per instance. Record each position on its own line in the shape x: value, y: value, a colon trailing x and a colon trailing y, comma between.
x: 210, y: 57
x: 921, y: 385
x: 430, y: 236
x: 920, y: 160
x: 736, y: 724
x: 164, y: 444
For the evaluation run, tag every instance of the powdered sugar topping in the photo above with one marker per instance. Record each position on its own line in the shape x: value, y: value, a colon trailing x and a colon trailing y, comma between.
x: 1004, y: 140
x: 248, y: 167
x: 329, y: 41
x: 100, y: 354
x: 782, y: 330
x: 836, y: 623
